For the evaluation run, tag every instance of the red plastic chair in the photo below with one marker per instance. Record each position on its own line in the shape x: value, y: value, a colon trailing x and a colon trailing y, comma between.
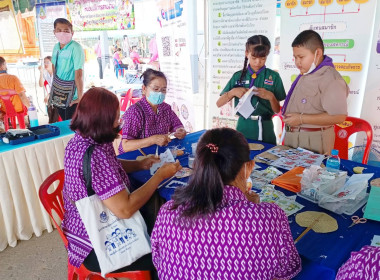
x: 53, y: 200
x: 11, y: 114
x: 127, y: 100
x: 280, y: 116
x: 350, y: 126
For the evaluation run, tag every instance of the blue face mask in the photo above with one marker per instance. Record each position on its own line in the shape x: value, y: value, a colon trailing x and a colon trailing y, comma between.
x: 3, y: 71
x: 156, y: 97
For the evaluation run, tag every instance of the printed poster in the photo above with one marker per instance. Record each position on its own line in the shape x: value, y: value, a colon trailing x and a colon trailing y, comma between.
x: 10, y: 38
x: 371, y: 102
x: 89, y: 15
x: 46, y: 15
x: 174, y: 56
x: 346, y: 28
x: 231, y: 24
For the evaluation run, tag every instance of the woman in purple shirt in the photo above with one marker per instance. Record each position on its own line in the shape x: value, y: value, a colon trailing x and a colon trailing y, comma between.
x: 362, y: 265
x: 150, y: 120
x: 109, y: 179
x: 212, y: 230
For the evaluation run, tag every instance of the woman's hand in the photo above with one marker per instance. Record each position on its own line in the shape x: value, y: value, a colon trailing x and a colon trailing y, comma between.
x: 168, y: 170
x: 161, y: 139
x: 147, y: 163
x: 264, y: 94
x: 252, y: 196
x: 293, y: 119
x: 180, y: 133
x: 237, y: 92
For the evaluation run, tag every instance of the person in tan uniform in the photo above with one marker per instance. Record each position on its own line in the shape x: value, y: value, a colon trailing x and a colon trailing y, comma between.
x: 317, y: 98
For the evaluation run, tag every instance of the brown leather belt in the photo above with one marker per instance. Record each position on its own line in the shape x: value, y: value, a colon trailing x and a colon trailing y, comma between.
x: 309, y: 129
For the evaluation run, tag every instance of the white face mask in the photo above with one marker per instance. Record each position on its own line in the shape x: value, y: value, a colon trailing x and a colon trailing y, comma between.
x: 313, y: 66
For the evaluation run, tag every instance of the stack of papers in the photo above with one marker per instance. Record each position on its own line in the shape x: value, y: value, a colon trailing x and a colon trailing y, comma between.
x: 244, y: 106
x: 286, y: 203
x: 288, y: 159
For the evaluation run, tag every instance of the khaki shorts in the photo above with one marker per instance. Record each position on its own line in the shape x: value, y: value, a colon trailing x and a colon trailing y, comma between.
x: 321, y: 142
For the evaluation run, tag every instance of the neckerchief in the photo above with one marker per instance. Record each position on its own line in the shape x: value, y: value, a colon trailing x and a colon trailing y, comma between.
x: 253, y: 74
x: 327, y: 61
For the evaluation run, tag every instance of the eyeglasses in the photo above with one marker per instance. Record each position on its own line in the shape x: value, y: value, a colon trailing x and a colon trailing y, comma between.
x: 163, y: 90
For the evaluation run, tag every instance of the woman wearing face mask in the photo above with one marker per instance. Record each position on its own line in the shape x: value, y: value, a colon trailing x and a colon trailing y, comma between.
x: 150, y: 120
x: 220, y: 222
x: 109, y: 175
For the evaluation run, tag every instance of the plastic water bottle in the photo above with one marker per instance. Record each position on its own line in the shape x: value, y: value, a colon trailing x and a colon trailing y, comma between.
x: 333, y: 162
x: 33, y: 117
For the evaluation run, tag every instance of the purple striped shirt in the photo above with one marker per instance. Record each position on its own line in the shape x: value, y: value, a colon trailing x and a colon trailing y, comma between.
x: 241, y: 240
x: 108, y: 178
x: 362, y: 265
x: 139, y: 125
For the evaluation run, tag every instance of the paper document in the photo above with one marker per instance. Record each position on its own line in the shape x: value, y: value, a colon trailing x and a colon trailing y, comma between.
x: 244, y: 106
x: 167, y: 156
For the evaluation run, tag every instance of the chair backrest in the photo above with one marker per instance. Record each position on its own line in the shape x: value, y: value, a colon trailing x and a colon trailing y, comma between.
x: 47, y: 87
x: 281, y: 117
x: 125, y: 101
x: 53, y: 200
x: 6, y: 95
x: 350, y: 126
x: 116, y: 63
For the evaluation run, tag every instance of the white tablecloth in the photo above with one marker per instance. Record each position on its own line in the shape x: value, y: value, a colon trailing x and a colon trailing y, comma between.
x: 22, y: 172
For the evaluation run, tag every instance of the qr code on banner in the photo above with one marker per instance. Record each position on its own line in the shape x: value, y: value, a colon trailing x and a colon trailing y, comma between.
x: 166, y: 46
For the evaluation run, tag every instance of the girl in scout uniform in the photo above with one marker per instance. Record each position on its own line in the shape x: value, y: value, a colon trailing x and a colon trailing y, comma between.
x: 270, y: 91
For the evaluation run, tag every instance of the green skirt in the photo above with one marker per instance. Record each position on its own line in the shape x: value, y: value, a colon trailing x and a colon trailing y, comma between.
x: 250, y: 129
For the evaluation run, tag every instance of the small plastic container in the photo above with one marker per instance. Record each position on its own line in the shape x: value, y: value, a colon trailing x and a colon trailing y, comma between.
x: 333, y: 162
x: 45, y: 131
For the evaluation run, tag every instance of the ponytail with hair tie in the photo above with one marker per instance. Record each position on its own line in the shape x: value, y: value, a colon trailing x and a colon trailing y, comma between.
x: 213, y: 148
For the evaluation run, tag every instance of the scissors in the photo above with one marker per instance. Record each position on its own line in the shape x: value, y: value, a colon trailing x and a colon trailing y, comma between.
x: 356, y: 220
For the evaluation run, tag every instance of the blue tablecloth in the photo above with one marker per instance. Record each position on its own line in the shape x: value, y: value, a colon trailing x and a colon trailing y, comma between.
x: 322, y: 253
x: 64, y: 130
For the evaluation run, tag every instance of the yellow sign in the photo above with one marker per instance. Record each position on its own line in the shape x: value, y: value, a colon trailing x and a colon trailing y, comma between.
x: 307, y: 3
x: 352, y: 67
x: 361, y: 1
x: 291, y: 4
x: 343, y: 2
x: 325, y: 2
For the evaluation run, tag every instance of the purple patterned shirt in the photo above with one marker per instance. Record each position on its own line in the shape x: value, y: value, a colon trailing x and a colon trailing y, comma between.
x: 108, y: 178
x: 362, y: 265
x: 241, y: 240
x: 139, y: 125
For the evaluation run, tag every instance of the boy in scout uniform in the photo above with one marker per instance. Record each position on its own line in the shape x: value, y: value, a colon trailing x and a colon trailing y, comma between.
x: 317, y: 98
x: 270, y: 91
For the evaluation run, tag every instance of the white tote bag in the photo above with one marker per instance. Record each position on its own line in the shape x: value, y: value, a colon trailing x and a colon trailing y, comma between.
x: 117, y: 242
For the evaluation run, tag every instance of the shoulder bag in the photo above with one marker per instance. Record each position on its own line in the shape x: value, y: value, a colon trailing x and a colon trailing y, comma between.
x: 62, y: 92
x: 117, y: 242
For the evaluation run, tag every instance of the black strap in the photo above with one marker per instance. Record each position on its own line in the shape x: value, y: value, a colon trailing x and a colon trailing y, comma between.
x: 143, y: 116
x: 56, y: 64
x: 87, y: 170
